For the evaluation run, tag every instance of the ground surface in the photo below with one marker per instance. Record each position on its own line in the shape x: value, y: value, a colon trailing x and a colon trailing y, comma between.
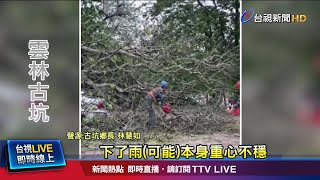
x: 90, y: 148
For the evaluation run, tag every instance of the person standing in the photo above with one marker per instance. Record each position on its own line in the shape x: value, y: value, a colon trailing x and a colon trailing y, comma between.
x: 155, y: 96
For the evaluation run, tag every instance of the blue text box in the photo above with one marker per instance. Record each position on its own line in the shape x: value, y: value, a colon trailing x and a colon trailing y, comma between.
x: 35, y: 154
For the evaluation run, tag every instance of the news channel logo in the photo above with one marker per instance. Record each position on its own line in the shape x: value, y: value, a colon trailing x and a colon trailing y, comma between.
x: 247, y: 15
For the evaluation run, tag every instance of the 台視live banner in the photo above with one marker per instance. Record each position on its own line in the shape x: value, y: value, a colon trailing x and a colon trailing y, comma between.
x: 27, y: 155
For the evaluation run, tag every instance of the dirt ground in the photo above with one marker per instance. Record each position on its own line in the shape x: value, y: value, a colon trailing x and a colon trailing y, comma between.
x: 90, y: 148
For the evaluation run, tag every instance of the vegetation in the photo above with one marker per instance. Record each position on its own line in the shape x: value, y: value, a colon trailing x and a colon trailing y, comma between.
x: 128, y: 47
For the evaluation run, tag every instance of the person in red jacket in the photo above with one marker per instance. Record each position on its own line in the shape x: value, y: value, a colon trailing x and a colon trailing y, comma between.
x: 237, y: 86
x: 235, y: 105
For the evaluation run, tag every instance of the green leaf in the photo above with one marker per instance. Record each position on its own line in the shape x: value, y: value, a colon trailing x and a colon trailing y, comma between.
x: 109, y: 107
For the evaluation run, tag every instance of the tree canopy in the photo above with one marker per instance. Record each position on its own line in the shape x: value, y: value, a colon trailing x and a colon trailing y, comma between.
x: 128, y: 47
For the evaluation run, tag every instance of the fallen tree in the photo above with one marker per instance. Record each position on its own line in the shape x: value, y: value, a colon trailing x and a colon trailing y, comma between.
x: 132, y: 60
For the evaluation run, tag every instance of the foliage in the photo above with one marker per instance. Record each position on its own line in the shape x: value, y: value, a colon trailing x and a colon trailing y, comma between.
x: 129, y: 47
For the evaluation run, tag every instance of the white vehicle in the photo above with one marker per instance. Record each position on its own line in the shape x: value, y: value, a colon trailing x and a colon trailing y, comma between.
x: 93, y: 107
